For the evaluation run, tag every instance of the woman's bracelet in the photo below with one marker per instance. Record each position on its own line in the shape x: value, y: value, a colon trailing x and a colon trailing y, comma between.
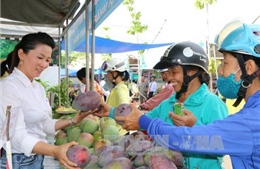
x: 72, y: 123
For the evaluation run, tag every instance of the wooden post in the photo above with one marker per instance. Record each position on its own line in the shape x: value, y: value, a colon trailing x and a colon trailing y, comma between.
x: 9, y: 164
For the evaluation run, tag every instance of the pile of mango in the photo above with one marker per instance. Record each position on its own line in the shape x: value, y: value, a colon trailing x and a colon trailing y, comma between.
x: 104, y: 147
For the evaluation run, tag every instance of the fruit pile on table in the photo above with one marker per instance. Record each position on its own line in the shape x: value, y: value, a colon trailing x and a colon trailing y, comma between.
x: 102, y: 146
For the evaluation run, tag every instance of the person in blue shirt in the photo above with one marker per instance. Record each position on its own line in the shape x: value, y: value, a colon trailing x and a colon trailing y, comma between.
x: 189, y: 77
x: 238, y: 135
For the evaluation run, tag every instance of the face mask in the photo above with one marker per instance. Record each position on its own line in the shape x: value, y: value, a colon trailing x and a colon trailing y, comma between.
x: 108, y: 85
x: 228, y: 87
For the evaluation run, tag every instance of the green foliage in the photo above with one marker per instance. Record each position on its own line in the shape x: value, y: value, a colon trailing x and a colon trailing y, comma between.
x: 62, y: 90
x: 128, y: 2
x: 136, y: 25
x: 200, y: 4
x: 58, y: 90
x: 106, y: 56
x: 106, y: 28
x: 7, y: 46
x: 213, y: 65
x: 73, y: 59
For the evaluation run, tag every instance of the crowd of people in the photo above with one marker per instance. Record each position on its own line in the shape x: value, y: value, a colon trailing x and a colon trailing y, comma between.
x: 184, y: 69
x: 190, y: 78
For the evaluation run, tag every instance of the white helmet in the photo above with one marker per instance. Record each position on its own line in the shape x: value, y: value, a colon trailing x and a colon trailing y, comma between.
x: 114, y: 64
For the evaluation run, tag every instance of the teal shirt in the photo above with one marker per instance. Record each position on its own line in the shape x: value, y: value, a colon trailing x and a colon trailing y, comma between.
x: 207, y: 107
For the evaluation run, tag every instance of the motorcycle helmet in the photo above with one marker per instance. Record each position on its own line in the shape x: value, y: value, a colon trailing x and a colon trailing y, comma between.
x: 241, y: 40
x: 114, y: 64
x: 184, y: 53
x: 239, y: 37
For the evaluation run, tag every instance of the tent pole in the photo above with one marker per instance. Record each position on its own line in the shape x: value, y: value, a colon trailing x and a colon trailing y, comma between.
x: 66, y: 68
x: 59, y: 64
x: 93, y: 45
x: 87, y: 45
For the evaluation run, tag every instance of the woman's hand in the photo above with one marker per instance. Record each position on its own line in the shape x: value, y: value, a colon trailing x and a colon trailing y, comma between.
x: 81, y: 115
x: 131, y: 121
x: 187, y: 119
x: 60, y: 152
x: 103, y: 110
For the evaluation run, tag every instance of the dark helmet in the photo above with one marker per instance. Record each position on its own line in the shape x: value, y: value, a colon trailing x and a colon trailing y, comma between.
x: 184, y: 53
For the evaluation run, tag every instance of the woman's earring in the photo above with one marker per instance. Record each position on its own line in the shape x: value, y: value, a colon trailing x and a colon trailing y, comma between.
x: 21, y: 62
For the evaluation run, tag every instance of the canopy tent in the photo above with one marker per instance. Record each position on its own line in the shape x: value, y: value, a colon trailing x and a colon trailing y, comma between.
x: 73, y: 73
x: 15, y: 30
x: 104, y: 45
x: 39, y: 11
x: 20, y: 17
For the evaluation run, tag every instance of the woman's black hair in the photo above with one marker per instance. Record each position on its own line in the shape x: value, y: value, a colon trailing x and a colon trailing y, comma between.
x: 125, y: 75
x: 81, y: 73
x: 203, y: 76
x: 255, y: 59
x: 249, y: 57
x: 5, y: 65
x: 28, y: 42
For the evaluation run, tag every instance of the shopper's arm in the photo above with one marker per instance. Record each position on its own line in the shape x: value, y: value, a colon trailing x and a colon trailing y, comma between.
x: 230, y: 136
x: 157, y: 99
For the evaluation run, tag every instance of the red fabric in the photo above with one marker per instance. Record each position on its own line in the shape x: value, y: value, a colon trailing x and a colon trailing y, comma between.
x: 158, y: 98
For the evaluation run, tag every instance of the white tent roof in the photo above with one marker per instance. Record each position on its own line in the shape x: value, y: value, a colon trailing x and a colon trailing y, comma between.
x: 11, y: 29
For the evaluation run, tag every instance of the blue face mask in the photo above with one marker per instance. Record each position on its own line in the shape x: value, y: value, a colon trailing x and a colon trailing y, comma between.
x: 228, y: 87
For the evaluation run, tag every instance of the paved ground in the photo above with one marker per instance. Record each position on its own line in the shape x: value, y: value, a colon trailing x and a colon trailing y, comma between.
x: 49, y: 162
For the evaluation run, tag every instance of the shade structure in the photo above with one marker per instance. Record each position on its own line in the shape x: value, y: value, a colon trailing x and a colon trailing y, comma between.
x: 105, y: 45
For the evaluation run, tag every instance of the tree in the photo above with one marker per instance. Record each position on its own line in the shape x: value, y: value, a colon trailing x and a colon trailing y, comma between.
x: 200, y: 4
x: 136, y: 26
x: 74, y: 58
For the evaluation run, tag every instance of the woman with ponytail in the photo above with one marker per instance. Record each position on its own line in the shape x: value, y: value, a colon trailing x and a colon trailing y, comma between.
x: 118, y: 76
x: 31, y: 56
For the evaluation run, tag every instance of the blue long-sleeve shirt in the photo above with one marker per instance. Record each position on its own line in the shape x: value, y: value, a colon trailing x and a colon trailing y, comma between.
x: 238, y: 135
x: 206, y: 107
